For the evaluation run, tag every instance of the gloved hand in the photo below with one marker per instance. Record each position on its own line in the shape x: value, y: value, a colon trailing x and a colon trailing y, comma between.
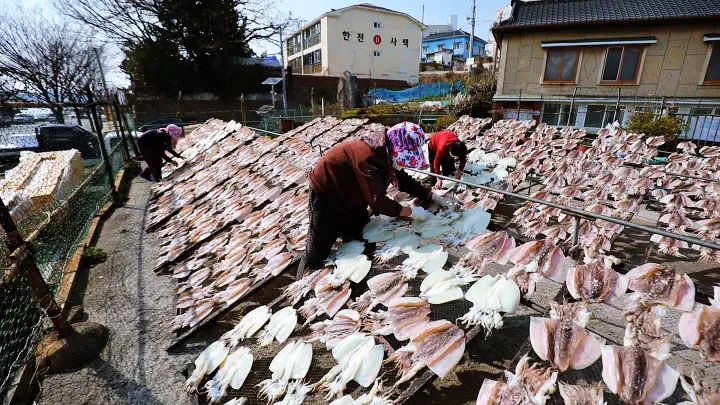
x: 418, y: 213
x: 441, y: 198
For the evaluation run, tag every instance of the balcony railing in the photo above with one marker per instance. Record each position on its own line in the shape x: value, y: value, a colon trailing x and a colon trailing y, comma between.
x: 312, y: 41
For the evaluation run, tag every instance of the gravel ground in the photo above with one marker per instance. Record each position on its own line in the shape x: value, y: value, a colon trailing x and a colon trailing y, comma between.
x: 136, y: 305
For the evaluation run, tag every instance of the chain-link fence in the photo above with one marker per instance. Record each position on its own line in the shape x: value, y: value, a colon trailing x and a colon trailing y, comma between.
x: 54, y: 177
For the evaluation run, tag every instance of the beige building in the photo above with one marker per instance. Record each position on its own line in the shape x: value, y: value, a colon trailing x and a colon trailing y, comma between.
x: 590, y: 63
x: 369, y: 41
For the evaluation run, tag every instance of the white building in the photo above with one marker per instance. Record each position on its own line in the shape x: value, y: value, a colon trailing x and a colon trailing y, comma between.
x: 369, y: 41
x: 442, y: 28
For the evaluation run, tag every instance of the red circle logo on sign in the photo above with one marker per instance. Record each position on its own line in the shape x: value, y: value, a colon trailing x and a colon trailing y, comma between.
x: 377, y: 39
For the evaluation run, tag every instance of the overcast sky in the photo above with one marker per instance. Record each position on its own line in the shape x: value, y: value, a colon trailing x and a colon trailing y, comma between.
x: 436, y: 12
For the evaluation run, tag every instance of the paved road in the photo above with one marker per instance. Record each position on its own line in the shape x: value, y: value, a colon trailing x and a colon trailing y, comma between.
x: 125, y: 295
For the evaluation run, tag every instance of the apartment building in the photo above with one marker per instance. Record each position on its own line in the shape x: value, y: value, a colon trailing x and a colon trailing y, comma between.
x: 588, y: 63
x: 367, y: 40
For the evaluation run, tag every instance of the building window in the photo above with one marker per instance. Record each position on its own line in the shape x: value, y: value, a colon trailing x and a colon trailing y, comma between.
x: 296, y: 64
x: 599, y: 116
x: 311, y: 35
x: 377, y: 24
x: 712, y: 75
x: 622, y: 64
x: 439, y: 48
x: 558, y: 114
x: 561, y: 65
x: 376, y: 53
x: 313, y: 58
x: 458, y: 46
x: 424, y: 49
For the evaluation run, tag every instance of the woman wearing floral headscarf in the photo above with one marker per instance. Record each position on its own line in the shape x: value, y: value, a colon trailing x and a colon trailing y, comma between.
x: 354, y: 175
x: 152, y: 146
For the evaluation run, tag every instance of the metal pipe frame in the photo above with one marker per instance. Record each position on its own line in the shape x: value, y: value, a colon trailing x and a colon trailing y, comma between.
x: 571, y: 210
x: 576, y: 211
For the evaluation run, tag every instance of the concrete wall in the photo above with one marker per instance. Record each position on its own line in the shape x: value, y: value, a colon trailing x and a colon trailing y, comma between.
x: 396, y: 61
x: 671, y: 68
x: 302, y: 87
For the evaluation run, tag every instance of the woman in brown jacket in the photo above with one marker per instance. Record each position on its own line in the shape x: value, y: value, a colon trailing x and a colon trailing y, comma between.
x: 355, y: 174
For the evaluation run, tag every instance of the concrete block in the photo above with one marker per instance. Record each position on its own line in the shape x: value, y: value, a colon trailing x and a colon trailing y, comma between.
x: 511, y: 71
x: 686, y: 90
x: 536, y: 70
x: 667, y: 86
x: 645, y: 90
x: 696, y: 45
x: 521, y: 79
x: 651, y: 69
x: 537, y: 50
x: 675, y: 54
x: 681, y: 32
x: 708, y: 91
x: 527, y: 39
x: 662, y: 34
x: 692, y: 69
x: 525, y: 58
x: 513, y: 47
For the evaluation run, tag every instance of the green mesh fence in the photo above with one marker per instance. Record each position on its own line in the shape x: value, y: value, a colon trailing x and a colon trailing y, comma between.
x: 52, y: 194
x: 19, y: 328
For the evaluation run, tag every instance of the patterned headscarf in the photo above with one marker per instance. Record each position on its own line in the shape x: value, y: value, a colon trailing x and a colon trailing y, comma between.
x: 404, y: 143
x: 175, y: 133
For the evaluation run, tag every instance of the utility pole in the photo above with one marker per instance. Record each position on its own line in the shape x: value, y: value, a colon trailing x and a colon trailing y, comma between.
x: 282, y: 70
x: 422, y: 18
x: 472, y: 30
x: 102, y: 73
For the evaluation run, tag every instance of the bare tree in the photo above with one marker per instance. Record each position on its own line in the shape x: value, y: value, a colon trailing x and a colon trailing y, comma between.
x: 128, y: 22
x: 46, y: 58
x: 7, y: 87
x: 121, y: 21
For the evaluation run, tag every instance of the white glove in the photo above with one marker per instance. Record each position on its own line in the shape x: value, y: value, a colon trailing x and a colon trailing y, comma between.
x: 441, y: 199
x: 418, y: 213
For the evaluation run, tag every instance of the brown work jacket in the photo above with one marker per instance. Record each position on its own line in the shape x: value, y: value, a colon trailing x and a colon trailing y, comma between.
x: 352, y: 176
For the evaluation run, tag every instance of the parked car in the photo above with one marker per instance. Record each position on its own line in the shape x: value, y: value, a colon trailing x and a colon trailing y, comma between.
x: 163, y: 122
x: 5, y: 122
x: 48, y: 138
x: 23, y: 119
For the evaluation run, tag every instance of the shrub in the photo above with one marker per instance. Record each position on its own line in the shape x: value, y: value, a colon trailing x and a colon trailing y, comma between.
x: 446, y: 120
x: 381, y: 109
x: 667, y: 126
x: 478, y: 102
x: 94, y: 255
x: 351, y: 113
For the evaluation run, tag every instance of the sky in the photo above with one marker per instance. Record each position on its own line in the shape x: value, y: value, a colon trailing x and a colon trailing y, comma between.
x: 436, y: 12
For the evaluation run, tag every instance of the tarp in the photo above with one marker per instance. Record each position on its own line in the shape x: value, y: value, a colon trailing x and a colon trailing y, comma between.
x: 422, y: 90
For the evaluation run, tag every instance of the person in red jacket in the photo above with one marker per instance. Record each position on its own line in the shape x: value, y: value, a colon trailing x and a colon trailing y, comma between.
x: 443, y: 149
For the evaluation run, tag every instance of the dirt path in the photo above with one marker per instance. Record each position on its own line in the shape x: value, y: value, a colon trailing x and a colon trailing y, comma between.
x: 136, y: 305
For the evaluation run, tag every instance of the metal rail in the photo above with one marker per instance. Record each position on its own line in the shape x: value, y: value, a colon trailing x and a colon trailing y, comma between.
x: 576, y: 211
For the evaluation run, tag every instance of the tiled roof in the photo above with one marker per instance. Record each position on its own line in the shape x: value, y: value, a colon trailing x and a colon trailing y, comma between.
x: 560, y: 12
x: 457, y: 33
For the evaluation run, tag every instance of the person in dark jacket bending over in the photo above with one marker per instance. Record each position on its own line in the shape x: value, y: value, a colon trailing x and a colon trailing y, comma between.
x: 355, y: 174
x: 153, y: 144
x: 443, y: 149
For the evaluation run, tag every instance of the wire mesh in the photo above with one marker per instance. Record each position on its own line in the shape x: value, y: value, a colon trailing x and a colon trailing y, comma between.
x: 53, y: 182
x: 19, y: 329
